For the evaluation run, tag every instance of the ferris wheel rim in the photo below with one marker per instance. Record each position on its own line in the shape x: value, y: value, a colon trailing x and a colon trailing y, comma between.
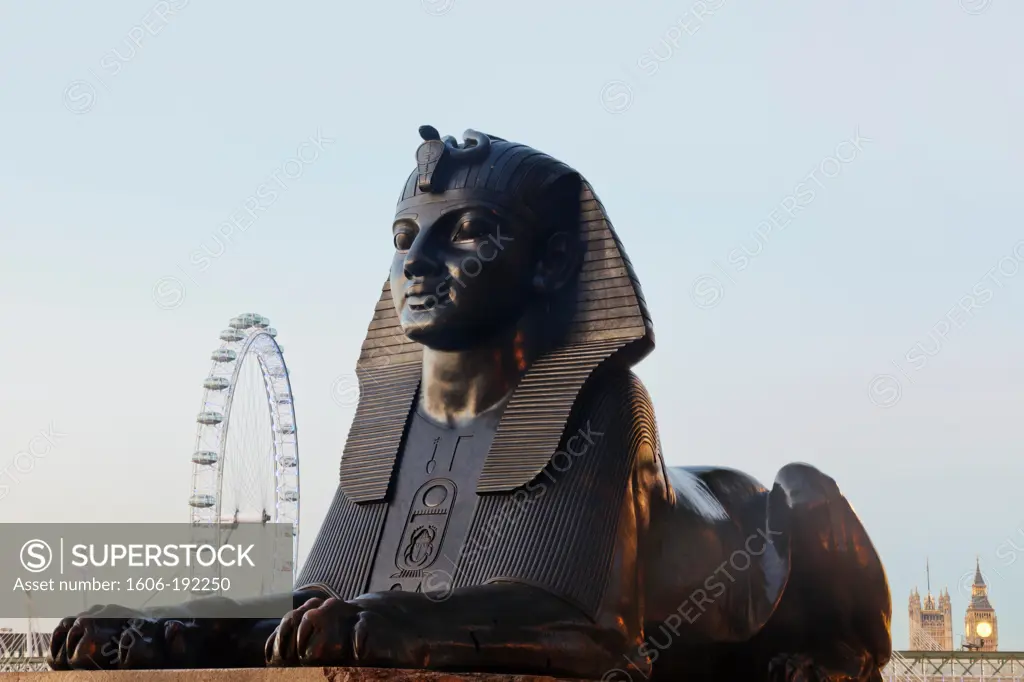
x: 278, y: 390
x: 238, y: 362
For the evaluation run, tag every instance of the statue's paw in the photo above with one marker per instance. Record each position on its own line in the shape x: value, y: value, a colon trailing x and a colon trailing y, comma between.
x: 113, y: 637
x: 335, y: 632
x: 282, y: 646
x: 796, y: 668
x: 57, y: 656
x: 89, y: 642
x: 379, y: 641
x: 84, y: 641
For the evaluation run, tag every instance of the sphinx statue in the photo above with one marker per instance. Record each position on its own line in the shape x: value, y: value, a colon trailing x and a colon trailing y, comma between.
x: 504, y: 504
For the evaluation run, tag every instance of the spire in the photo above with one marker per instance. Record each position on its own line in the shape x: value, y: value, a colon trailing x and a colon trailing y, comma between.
x: 978, y: 579
x: 928, y: 573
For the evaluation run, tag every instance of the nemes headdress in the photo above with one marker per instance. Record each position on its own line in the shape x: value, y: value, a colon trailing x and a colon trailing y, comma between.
x: 505, y: 172
x: 610, y: 324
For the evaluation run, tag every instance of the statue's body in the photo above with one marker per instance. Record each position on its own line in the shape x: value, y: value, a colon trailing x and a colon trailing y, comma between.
x: 504, y: 504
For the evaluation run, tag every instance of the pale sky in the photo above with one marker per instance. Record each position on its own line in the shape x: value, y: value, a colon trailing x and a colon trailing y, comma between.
x: 858, y: 337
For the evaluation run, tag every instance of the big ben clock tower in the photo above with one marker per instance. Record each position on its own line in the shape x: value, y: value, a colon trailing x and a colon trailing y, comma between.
x: 980, y: 628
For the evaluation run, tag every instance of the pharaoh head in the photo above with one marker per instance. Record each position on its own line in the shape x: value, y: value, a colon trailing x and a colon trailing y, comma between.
x: 489, y: 234
x: 484, y: 232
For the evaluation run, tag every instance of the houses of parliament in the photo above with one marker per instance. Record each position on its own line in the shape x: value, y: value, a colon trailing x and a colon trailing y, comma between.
x: 931, y: 622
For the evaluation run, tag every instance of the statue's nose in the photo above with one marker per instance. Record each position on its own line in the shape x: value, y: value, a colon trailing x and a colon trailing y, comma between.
x: 419, y: 261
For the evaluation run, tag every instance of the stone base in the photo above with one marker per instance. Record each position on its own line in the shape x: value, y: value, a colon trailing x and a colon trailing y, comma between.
x: 269, y: 675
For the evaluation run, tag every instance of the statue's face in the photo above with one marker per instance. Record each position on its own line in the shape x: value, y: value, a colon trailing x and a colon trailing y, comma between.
x: 464, y: 268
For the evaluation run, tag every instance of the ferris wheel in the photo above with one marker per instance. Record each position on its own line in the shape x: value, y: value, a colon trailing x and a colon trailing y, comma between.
x: 245, y: 466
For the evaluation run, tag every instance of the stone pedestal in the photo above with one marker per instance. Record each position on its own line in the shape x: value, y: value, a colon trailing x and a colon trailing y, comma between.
x: 270, y: 675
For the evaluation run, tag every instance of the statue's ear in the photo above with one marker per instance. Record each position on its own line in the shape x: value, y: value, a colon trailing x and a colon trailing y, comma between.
x: 561, y: 252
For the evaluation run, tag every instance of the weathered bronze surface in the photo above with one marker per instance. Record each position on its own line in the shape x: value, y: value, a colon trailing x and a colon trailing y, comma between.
x: 503, y: 503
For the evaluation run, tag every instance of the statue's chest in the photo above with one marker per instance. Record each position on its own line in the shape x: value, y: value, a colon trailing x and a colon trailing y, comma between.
x: 433, y: 502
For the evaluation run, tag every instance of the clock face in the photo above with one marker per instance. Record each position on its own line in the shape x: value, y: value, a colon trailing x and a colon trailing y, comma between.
x: 984, y: 629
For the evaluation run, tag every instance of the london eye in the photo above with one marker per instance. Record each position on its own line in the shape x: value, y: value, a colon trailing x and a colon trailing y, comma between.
x: 245, y: 464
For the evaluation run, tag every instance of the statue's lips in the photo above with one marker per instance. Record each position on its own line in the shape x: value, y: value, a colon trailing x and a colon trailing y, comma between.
x: 424, y: 297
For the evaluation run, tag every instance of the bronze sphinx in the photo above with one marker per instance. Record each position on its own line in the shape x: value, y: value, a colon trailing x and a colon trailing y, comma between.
x: 503, y: 503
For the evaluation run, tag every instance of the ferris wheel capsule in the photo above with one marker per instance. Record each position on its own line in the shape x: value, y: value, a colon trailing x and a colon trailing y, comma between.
x: 202, y: 501
x: 271, y: 331
x: 231, y: 335
x: 261, y: 322
x: 223, y: 355
x: 210, y: 418
x: 204, y: 457
x: 243, y: 321
x: 216, y: 383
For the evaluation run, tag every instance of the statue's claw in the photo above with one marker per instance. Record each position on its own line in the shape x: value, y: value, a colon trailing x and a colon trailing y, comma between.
x: 377, y: 641
x: 115, y: 638
x: 325, y: 634
x: 92, y: 643
x: 57, y: 657
x: 336, y: 632
x: 281, y: 647
x: 90, y: 640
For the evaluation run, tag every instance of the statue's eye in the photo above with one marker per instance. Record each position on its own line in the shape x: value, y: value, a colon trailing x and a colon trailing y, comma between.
x: 471, y: 229
x: 403, y: 240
